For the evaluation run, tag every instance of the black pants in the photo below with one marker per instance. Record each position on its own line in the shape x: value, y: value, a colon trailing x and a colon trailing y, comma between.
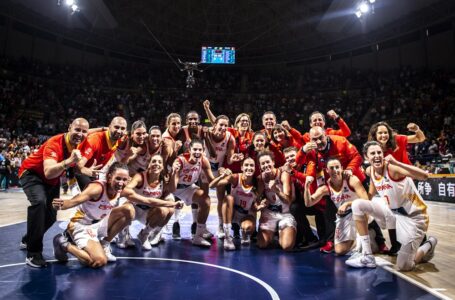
x: 40, y: 214
x: 83, y: 181
x: 304, y: 231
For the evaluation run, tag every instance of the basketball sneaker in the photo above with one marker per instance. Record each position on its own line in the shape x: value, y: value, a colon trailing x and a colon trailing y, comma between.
x: 206, y: 234
x: 60, y: 243
x: 124, y: 239
x: 35, y: 260
x: 361, y: 261
x: 228, y: 244
x: 108, y: 251
x: 327, y: 248
x: 245, y: 239
x: 156, y: 237
x: 144, y: 239
x: 220, y: 232
x: 199, y: 240
x: 430, y: 254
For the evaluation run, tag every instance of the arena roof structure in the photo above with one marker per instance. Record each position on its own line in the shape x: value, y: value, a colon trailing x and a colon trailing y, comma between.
x: 263, y: 31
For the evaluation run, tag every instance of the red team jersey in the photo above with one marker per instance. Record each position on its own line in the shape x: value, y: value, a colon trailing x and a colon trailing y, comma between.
x: 53, y: 149
x: 401, y: 152
x: 98, y: 146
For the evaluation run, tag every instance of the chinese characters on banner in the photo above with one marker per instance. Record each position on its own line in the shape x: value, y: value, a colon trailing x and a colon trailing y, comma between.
x: 437, y: 189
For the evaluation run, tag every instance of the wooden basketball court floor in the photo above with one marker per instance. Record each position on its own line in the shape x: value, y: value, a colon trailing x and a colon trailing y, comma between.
x: 179, y: 270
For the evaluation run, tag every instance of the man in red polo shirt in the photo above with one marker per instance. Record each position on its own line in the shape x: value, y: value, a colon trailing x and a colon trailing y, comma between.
x: 98, y: 150
x: 40, y: 178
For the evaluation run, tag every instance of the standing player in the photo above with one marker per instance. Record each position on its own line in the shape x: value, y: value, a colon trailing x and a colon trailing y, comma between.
x: 187, y: 168
x: 170, y: 135
x: 401, y: 208
x: 40, y: 178
x: 268, y: 121
x: 275, y: 216
x: 238, y: 206
x: 97, y: 220
x: 342, y: 190
x: 220, y: 148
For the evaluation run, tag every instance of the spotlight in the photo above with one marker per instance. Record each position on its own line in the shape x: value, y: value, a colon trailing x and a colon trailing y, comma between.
x: 358, y: 14
x: 364, y: 7
x: 69, y: 2
x: 372, y: 1
x: 74, y: 8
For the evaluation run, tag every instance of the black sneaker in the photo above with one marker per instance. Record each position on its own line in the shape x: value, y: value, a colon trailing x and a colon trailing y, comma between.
x: 394, y: 250
x: 176, y: 231
x: 60, y: 243
x: 236, y: 230
x: 193, y: 229
x: 35, y: 260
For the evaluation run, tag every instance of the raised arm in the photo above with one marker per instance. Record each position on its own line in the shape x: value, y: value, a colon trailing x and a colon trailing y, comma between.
x: 210, y: 115
x: 399, y: 168
x: 418, y: 135
x: 312, y: 199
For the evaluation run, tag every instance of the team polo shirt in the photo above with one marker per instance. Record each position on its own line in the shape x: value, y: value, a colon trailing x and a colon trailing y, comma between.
x: 53, y: 148
x: 98, y: 146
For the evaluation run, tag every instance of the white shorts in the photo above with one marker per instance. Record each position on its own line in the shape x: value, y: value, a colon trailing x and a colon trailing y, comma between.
x: 345, y: 229
x: 274, y: 221
x: 186, y: 194
x: 81, y: 233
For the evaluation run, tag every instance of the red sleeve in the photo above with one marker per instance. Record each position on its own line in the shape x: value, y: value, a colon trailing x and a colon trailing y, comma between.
x: 53, y: 150
x: 354, y: 158
x: 401, y: 153
x: 343, y: 131
x: 301, y: 157
x: 299, y: 176
x: 298, y: 137
x: 88, y: 147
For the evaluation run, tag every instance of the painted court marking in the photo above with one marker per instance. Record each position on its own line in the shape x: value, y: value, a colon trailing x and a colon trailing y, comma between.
x: 270, y: 290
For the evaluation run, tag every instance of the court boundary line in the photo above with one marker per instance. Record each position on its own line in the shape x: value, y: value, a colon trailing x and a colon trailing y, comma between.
x: 14, y: 223
x: 273, y: 294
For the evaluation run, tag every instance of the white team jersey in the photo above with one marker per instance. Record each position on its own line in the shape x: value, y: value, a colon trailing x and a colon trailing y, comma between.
x: 345, y: 194
x: 400, y: 193
x: 220, y: 150
x: 141, y: 162
x: 276, y: 204
x: 189, y: 172
x: 94, y: 210
x: 147, y: 190
x: 244, y: 197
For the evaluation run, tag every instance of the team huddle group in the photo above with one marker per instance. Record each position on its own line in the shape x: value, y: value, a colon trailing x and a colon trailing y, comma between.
x: 266, y: 182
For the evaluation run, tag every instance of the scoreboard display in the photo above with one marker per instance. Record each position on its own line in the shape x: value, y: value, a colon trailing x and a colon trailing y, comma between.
x: 218, y: 55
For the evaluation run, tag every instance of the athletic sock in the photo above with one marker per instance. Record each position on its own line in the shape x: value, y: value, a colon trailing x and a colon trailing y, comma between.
x: 366, y: 246
x: 227, y: 229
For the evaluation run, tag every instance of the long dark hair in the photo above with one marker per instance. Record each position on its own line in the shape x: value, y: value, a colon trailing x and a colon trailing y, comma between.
x: 391, y: 143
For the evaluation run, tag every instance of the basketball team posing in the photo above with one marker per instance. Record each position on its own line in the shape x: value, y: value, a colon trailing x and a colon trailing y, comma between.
x: 149, y: 175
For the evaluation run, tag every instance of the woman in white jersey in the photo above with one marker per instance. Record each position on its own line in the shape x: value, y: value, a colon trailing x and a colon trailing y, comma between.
x: 401, y: 207
x: 170, y: 141
x: 342, y: 190
x: 187, y: 168
x: 275, y: 216
x: 96, y: 221
x: 145, y: 192
x: 220, y: 145
x: 240, y: 204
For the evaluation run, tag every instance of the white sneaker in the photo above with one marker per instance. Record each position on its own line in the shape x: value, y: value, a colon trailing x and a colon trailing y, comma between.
x: 108, y: 252
x: 144, y: 239
x: 220, y: 232
x: 206, y: 234
x: 229, y: 244
x: 433, y: 241
x: 124, y: 239
x: 362, y: 261
x: 156, y: 238
x: 200, y: 241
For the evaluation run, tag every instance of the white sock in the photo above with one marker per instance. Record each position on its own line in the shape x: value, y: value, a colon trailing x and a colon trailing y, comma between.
x: 227, y: 229
x: 366, y: 247
x: 358, y: 243
x: 200, y: 228
x: 425, y: 248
